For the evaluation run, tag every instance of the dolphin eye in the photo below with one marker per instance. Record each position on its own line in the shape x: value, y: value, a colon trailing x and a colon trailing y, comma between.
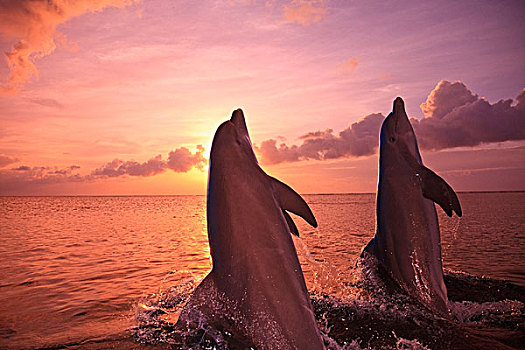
x: 392, y: 139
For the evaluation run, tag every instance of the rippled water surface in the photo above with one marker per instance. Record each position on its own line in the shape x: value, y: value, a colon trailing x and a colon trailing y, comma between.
x: 74, y: 268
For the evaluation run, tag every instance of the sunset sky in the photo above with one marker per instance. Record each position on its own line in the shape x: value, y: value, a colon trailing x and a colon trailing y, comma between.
x: 123, y: 97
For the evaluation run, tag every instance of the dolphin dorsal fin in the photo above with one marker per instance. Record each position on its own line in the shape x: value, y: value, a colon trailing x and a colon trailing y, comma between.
x: 439, y: 191
x: 290, y: 200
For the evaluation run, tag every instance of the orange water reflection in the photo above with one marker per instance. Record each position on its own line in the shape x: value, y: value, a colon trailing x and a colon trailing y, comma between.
x: 74, y: 268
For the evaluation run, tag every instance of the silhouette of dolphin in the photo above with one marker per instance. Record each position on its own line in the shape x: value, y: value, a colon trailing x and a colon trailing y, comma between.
x: 407, y: 240
x: 256, y: 287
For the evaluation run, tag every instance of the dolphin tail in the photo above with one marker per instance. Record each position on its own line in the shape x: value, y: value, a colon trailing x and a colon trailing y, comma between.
x: 439, y: 191
x: 290, y: 200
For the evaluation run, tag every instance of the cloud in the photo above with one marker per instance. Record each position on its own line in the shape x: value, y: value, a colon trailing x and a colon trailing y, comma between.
x: 305, y: 12
x: 348, y: 67
x: 6, y: 160
x: 359, y: 139
x: 118, y: 168
x: 47, y: 102
x: 33, y: 23
x: 385, y: 76
x: 445, y: 97
x: 24, y: 177
x: 180, y: 160
x: 454, y: 117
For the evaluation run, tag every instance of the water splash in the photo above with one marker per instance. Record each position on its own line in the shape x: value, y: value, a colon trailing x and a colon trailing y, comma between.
x: 497, y: 312
x: 413, y: 344
x: 326, y: 278
x: 361, y: 313
x: 452, y: 229
x: 157, y: 314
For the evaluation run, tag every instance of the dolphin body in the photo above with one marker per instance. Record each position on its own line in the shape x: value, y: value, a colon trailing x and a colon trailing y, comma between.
x: 407, y: 242
x: 256, y: 287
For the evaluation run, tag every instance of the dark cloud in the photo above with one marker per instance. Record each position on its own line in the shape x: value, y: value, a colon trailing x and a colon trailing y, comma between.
x: 6, y: 160
x: 445, y: 97
x: 454, y: 117
x: 359, y: 139
x: 25, y: 176
x: 315, y: 134
x: 120, y: 168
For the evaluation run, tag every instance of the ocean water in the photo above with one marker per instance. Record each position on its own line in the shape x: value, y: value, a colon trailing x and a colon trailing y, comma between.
x: 80, y: 271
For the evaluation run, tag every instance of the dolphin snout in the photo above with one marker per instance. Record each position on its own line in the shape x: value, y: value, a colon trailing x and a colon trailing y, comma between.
x: 238, y: 120
x: 402, y: 123
x: 237, y: 117
x: 399, y: 105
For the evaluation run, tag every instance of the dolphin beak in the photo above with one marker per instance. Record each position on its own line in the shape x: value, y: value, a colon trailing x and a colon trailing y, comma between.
x: 238, y: 120
x: 401, y: 119
x: 399, y: 105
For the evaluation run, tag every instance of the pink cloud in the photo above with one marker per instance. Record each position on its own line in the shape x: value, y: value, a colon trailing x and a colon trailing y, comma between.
x: 348, y: 67
x: 33, y: 23
x: 6, y: 160
x: 180, y: 160
x: 305, y: 12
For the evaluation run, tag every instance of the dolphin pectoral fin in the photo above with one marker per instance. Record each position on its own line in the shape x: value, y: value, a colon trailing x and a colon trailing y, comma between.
x: 290, y: 200
x: 437, y: 190
x: 291, y: 224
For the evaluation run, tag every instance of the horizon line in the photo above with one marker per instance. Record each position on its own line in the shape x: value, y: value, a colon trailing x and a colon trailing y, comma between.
x: 201, y: 195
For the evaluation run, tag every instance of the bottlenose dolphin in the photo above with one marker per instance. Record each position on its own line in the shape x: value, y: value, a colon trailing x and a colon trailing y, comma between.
x: 407, y: 240
x: 256, y: 287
